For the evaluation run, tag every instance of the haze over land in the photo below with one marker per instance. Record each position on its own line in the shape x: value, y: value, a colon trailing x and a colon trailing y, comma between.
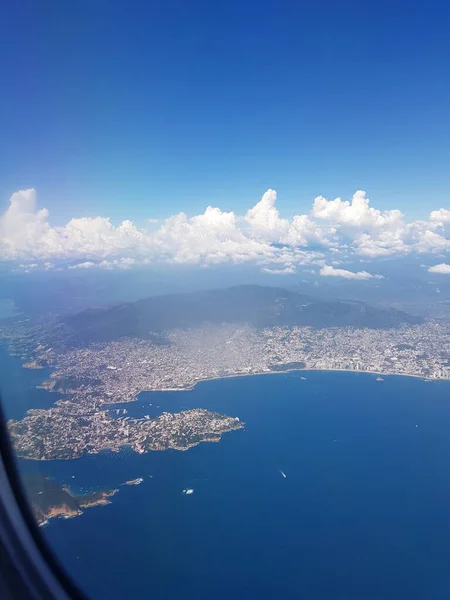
x: 256, y: 306
x: 105, y: 356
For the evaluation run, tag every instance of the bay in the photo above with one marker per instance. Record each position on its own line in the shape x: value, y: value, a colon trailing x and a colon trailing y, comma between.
x: 364, y: 510
x: 18, y: 391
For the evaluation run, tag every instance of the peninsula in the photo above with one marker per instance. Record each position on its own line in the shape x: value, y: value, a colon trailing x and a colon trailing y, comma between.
x: 49, y: 499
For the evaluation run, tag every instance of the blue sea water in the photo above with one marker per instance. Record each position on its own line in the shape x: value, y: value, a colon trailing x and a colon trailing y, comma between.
x: 18, y: 386
x: 364, y: 512
x: 8, y: 308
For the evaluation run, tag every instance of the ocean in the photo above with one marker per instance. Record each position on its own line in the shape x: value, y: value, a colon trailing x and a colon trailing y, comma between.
x: 363, y: 513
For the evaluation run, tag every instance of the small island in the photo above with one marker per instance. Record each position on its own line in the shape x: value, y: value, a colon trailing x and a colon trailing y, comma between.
x: 136, y: 481
x: 49, y: 499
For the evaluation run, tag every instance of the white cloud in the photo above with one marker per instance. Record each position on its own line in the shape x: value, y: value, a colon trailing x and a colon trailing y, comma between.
x: 265, y: 223
x: 260, y: 235
x: 264, y: 218
x: 84, y: 265
x: 441, y: 268
x: 329, y: 271
x: 442, y: 215
x: 285, y: 271
x: 356, y: 213
x: 123, y: 263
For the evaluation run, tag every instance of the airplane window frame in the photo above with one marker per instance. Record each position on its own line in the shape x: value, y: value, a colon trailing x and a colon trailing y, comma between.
x: 28, y: 568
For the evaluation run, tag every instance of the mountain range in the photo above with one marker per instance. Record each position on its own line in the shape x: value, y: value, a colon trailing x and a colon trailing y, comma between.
x: 255, y: 305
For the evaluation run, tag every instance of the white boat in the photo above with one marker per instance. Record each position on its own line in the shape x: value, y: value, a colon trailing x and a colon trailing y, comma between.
x: 188, y: 491
x: 284, y: 474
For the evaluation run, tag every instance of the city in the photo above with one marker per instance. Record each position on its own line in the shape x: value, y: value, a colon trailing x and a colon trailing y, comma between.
x: 119, y: 370
x: 94, y: 378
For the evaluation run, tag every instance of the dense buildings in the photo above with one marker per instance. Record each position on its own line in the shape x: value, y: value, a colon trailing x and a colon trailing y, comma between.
x: 96, y: 376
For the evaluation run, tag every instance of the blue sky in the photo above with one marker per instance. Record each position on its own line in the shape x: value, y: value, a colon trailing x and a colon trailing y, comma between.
x: 136, y: 110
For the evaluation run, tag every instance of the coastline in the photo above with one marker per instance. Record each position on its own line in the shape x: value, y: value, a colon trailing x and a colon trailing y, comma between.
x: 111, y: 402
x: 299, y: 440
x: 189, y: 388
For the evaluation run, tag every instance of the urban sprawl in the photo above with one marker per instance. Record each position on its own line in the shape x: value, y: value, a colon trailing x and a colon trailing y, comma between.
x: 95, y: 377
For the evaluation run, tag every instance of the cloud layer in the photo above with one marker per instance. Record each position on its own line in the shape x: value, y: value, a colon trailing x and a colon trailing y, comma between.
x: 342, y: 229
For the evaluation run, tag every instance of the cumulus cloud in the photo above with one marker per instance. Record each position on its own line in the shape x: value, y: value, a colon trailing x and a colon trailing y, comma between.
x: 264, y: 218
x: 260, y: 235
x: 265, y: 223
x: 442, y: 268
x: 354, y: 213
x: 442, y: 215
x: 329, y: 271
